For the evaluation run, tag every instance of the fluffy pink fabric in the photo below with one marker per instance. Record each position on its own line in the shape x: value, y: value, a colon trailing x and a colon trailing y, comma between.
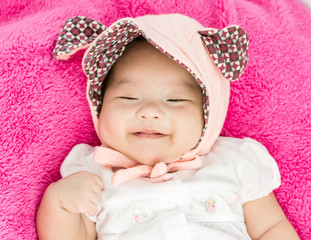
x: 44, y: 112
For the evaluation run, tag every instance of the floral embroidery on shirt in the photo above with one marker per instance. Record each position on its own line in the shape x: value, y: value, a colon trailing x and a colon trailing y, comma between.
x: 210, y: 205
x: 138, y: 215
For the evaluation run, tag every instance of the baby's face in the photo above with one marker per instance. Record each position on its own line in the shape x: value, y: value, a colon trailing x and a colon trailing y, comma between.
x: 152, y: 108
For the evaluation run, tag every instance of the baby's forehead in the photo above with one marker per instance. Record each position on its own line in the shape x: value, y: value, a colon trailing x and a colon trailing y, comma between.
x: 182, y: 83
x: 140, y: 57
x: 140, y: 50
x: 139, y: 47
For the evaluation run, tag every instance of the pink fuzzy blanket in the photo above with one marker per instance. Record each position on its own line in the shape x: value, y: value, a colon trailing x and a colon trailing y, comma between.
x: 44, y: 112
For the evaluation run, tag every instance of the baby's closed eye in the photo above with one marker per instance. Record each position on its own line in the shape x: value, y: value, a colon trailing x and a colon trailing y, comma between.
x: 129, y: 98
x: 176, y: 100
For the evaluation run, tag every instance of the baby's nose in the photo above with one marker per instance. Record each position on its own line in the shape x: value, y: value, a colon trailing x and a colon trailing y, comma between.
x: 150, y: 111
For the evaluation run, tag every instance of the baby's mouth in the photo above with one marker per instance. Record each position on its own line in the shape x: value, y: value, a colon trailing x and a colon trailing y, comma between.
x: 149, y: 134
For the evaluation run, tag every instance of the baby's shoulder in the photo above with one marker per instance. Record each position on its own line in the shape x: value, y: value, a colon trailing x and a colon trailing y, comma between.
x: 80, y: 158
x: 238, y: 147
x: 239, y: 154
x: 248, y: 162
x: 237, y: 143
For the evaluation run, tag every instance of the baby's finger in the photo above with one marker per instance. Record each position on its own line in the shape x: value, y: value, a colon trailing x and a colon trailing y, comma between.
x: 99, y: 181
x: 96, y: 189
x: 94, y: 198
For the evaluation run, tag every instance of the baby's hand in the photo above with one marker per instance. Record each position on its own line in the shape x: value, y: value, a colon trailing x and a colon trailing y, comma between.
x: 80, y: 192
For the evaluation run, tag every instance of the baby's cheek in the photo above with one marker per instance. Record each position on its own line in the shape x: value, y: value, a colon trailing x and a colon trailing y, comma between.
x: 106, y: 126
x: 194, y: 132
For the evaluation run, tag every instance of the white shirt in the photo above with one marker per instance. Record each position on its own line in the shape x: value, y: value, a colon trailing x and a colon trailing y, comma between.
x: 194, y: 204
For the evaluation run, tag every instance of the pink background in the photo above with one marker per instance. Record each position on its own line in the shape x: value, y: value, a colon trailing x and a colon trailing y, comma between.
x: 44, y: 112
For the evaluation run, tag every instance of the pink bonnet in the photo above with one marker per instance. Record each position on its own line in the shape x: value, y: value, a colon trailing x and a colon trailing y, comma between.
x: 214, y: 57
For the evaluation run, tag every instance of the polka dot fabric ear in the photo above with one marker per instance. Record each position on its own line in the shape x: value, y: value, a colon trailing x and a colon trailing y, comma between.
x: 77, y: 33
x: 228, y: 48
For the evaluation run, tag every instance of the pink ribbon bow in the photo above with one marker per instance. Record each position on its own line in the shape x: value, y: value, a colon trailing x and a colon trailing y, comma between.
x: 130, y: 169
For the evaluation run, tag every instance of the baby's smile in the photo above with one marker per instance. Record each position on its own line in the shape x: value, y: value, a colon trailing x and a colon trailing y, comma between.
x: 152, y: 134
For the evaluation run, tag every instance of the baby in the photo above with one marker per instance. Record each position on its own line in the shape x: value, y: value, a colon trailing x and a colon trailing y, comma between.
x: 158, y: 88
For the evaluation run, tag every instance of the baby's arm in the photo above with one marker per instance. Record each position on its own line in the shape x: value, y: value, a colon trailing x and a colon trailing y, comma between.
x: 265, y: 220
x: 60, y: 212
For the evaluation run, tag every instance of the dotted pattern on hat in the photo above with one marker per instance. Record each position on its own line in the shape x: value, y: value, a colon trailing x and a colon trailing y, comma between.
x: 228, y: 48
x: 77, y: 32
